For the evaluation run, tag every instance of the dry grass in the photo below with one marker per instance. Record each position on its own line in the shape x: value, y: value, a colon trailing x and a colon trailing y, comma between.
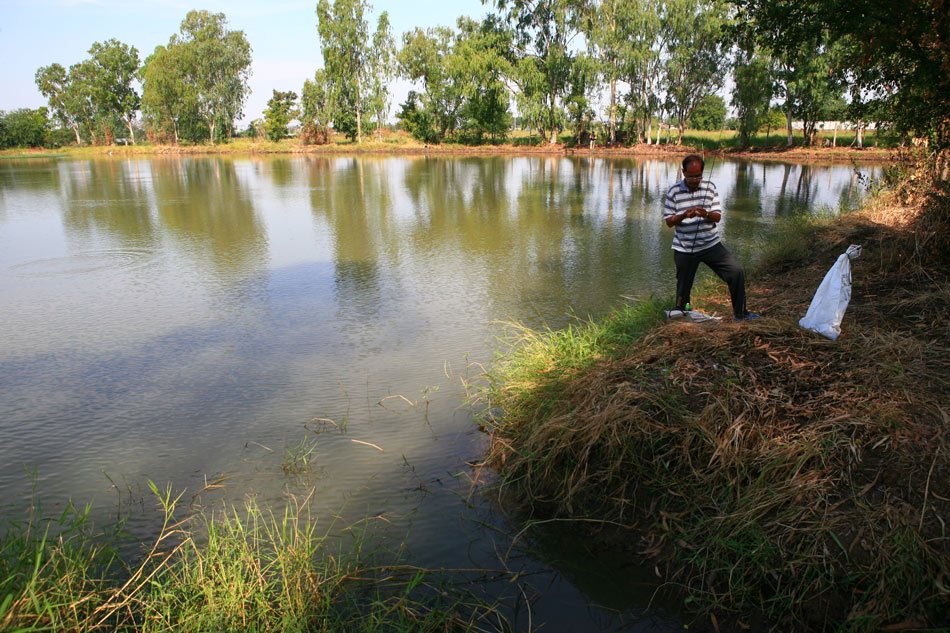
x: 770, y: 471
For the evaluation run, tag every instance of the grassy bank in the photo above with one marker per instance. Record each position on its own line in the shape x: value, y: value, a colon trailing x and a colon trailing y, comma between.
x: 243, y: 569
x: 521, y: 142
x: 774, y: 477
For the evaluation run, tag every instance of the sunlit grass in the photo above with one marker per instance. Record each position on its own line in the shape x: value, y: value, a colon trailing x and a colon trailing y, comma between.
x: 239, y: 569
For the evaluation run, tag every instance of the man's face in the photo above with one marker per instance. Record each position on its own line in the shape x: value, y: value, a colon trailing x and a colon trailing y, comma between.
x: 693, y: 174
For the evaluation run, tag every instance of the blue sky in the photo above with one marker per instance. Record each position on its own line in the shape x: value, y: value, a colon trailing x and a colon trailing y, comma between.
x: 282, y: 34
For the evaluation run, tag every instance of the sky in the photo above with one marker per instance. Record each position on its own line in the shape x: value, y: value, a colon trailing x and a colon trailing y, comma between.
x: 282, y: 34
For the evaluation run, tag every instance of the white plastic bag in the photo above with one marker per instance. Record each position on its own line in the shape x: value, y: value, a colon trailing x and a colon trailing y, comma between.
x: 831, y: 300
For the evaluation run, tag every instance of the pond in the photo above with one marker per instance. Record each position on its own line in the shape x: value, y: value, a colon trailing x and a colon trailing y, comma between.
x: 311, y: 325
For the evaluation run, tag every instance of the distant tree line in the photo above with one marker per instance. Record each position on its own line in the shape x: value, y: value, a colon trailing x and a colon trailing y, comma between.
x: 649, y: 61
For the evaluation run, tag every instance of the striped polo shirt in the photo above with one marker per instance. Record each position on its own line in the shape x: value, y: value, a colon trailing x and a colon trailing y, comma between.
x: 693, y: 234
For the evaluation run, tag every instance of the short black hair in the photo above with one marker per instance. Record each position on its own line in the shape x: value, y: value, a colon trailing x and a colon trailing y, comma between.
x: 694, y: 158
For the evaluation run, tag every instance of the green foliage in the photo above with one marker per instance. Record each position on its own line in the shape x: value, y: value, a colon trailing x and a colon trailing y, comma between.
x: 115, y: 66
x: 895, y: 59
x: 195, y: 87
x: 24, y: 128
x: 773, y: 119
x: 751, y: 93
x: 709, y: 113
x: 280, y: 111
x: 813, y: 80
x: 695, y: 49
x: 68, y: 96
x: 318, y: 108
x: 382, y: 63
x: 344, y: 42
x: 416, y: 120
x: 541, y: 57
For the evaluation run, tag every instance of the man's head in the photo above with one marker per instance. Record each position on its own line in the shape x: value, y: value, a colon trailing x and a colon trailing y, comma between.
x: 693, y: 171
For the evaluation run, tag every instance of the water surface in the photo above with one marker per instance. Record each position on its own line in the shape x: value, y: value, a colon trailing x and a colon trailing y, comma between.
x: 186, y: 319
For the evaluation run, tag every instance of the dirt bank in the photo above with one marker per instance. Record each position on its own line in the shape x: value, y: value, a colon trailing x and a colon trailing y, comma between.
x: 774, y: 478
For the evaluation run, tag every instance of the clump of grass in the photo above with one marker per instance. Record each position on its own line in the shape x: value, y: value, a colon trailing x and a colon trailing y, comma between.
x: 770, y: 470
x: 300, y: 457
x: 243, y: 569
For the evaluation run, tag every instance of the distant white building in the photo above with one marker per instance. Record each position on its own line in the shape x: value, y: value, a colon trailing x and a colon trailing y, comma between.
x: 831, y: 125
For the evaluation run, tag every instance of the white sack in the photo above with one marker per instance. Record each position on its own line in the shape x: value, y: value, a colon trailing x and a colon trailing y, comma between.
x: 831, y: 300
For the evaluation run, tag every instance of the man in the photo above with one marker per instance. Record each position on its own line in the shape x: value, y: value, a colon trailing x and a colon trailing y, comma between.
x: 692, y: 209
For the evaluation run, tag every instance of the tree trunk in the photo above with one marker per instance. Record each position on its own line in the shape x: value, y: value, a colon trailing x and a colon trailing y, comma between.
x: 131, y: 131
x: 76, y: 132
x: 788, y: 115
x: 553, y: 139
x: 359, y: 118
x: 834, y: 140
x: 859, y: 139
x: 211, y: 130
x: 659, y: 131
x: 613, y: 110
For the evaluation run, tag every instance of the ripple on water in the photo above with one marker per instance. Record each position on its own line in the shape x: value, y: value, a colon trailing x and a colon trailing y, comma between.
x: 83, y: 263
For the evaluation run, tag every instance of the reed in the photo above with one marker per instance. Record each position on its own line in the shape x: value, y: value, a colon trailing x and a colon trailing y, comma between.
x: 241, y: 569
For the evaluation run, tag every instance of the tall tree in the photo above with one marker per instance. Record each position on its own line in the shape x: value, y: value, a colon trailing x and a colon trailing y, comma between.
x: 427, y: 56
x: 280, y: 111
x: 695, y: 54
x: 812, y: 78
x: 344, y: 42
x: 217, y: 65
x: 752, y: 91
x: 116, y: 65
x: 622, y: 36
x: 63, y: 97
x: 382, y: 64
x: 481, y: 60
x: 544, y: 31
x: 168, y: 99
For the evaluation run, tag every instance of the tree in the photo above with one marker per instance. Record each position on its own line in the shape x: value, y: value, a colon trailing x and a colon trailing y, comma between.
x: 24, y: 128
x: 116, y: 65
x: 216, y: 67
x: 346, y: 51
x: 480, y: 62
x: 751, y: 92
x: 709, y: 113
x: 169, y: 100
x: 427, y: 57
x: 318, y: 108
x: 381, y: 61
x: 53, y: 83
x: 896, y: 57
x: 544, y: 31
x: 608, y: 40
x: 69, y: 95
x: 280, y: 111
x: 693, y: 33
x: 578, y: 103
x: 812, y: 78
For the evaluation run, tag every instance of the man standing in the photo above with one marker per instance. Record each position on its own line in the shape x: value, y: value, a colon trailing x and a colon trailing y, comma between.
x: 692, y: 208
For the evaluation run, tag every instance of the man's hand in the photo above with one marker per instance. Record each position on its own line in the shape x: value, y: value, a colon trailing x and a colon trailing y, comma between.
x: 695, y: 212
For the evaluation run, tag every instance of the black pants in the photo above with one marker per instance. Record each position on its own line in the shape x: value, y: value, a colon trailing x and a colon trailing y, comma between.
x: 722, y: 263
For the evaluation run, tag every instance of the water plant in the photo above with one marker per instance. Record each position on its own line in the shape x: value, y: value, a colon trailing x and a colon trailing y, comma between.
x: 238, y: 569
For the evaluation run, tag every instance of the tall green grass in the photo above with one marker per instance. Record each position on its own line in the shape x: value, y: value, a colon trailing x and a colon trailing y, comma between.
x: 240, y: 569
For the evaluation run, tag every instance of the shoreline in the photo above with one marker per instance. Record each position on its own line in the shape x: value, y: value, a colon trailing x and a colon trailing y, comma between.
x: 782, y: 154
x: 770, y: 476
